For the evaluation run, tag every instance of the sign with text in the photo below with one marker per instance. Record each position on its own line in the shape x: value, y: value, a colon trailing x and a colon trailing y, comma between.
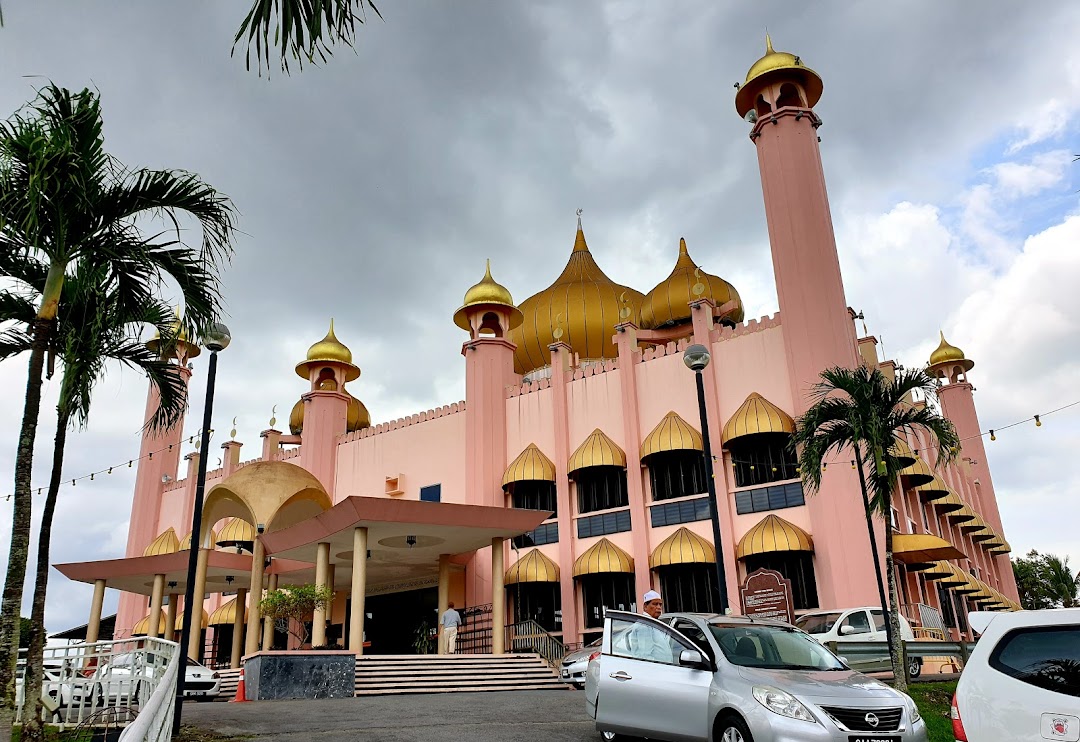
x: 767, y: 594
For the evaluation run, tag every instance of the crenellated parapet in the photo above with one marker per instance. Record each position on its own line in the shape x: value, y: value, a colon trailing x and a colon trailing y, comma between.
x: 403, y: 422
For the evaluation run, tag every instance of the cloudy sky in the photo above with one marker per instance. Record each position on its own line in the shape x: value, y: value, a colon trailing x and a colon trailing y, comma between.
x: 372, y: 189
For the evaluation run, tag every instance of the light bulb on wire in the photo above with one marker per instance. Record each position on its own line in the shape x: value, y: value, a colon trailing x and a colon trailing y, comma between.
x: 1038, y: 422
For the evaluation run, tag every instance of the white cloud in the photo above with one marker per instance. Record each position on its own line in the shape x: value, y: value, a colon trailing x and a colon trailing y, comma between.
x: 1049, y: 122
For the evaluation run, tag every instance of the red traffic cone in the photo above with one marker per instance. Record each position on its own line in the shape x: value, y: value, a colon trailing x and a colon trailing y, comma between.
x: 241, y: 691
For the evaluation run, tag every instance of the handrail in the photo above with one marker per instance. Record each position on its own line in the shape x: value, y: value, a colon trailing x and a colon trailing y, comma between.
x: 155, y: 719
x: 529, y: 636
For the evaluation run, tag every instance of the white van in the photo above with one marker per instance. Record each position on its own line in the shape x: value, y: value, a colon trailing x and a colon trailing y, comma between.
x: 864, y: 624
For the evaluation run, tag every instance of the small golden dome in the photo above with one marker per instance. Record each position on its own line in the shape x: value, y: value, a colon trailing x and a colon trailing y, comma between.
x: 328, y: 350
x: 580, y: 309
x: 357, y: 416
x: 188, y: 349
x: 769, y: 66
x: 488, y: 292
x: 669, y: 302
x: 947, y: 353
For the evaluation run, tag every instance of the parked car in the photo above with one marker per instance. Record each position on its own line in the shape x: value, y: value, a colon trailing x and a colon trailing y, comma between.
x: 864, y: 624
x: 1022, y: 681
x: 126, y: 680
x: 574, y: 664
x: 736, y: 679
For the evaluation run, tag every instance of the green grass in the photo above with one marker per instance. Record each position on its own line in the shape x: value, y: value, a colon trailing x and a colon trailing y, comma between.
x: 934, y: 700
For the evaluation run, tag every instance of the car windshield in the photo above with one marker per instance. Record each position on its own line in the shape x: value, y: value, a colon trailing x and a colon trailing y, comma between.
x: 818, y: 623
x: 774, y: 647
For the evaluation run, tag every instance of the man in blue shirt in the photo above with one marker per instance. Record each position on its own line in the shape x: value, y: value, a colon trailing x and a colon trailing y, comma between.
x: 450, y: 621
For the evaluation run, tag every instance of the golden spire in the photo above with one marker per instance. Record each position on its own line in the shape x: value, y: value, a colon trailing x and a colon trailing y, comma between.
x: 776, y: 67
x: 768, y: 44
x: 487, y: 292
x: 946, y: 353
x: 328, y: 350
x: 579, y: 240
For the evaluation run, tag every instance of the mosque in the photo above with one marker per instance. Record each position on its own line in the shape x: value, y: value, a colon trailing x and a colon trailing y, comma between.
x: 572, y: 477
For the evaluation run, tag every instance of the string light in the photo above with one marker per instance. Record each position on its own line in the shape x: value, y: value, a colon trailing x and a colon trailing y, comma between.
x: 992, y: 436
x: 1038, y: 422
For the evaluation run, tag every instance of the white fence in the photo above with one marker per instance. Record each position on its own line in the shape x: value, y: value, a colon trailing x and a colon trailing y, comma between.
x: 110, y: 683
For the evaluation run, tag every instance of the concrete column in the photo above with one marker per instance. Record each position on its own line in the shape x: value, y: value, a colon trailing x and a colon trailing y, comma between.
x: 194, y: 647
x: 153, y: 625
x: 498, y: 596
x: 94, y: 624
x: 268, y: 623
x: 444, y: 596
x: 238, y: 628
x: 332, y: 584
x: 322, y: 572
x: 258, y: 558
x: 359, y: 589
x: 561, y: 374
x: 170, y: 617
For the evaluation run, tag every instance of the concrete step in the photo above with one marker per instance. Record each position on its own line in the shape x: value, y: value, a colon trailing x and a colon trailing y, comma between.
x: 412, y: 674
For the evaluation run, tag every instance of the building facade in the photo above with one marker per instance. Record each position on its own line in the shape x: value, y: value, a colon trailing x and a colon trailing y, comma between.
x: 571, y: 478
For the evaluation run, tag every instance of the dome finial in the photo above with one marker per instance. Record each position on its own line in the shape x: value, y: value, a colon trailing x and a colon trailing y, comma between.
x: 579, y: 240
x: 488, y: 292
x: 331, y: 350
x: 768, y: 43
x: 947, y: 354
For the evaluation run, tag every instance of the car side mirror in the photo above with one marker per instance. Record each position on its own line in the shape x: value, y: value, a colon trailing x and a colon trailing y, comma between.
x: 847, y: 630
x: 692, y: 658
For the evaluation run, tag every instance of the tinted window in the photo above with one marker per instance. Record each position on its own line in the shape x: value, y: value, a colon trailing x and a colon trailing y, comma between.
x: 696, y: 635
x: 856, y: 621
x: 879, y: 620
x: 820, y: 623
x: 1046, y: 657
x: 643, y: 640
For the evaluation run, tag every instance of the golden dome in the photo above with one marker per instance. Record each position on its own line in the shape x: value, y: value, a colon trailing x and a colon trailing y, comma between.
x: 533, y: 567
x: 772, y: 534
x: 487, y: 292
x: 580, y: 309
x: 776, y: 64
x: 682, y: 547
x: 603, y: 557
x: 946, y: 353
x: 165, y: 543
x: 669, y: 302
x: 757, y: 415
x: 188, y: 349
x: 357, y: 416
x: 328, y: 350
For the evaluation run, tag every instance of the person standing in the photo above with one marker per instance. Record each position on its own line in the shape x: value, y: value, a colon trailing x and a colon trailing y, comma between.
x: 648, y: 642
x: 450, y: 622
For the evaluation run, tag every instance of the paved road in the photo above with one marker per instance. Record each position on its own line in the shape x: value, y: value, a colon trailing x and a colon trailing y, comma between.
x: 551, y: 715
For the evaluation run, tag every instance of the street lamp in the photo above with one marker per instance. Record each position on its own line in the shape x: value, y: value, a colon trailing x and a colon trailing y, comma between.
x: 696, y: 358
x: 216, y: 339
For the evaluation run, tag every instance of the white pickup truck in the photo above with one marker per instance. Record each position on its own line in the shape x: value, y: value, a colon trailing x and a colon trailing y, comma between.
x: 863, y: 624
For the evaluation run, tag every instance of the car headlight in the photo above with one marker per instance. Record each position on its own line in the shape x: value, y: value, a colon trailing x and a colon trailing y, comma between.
x: 782, y: 703
x: 914, y: 710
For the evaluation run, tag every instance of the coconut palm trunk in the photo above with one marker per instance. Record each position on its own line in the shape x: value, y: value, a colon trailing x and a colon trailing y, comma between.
x: 11, y: 605
x: 892, y: 612
x: 873, y: 544
x: 32, y: 729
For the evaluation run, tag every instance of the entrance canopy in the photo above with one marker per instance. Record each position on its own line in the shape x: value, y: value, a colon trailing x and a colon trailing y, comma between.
x: 405, y: 537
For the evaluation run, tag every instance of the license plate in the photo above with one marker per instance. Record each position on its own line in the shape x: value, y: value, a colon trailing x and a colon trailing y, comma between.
x: 197, y: 693
x: 874, y: 738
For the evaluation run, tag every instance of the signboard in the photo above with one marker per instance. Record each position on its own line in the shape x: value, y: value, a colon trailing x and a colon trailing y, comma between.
x: 767, y: 594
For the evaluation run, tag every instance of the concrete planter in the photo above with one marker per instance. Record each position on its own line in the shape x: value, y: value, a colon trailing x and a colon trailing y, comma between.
x: 300, y: 674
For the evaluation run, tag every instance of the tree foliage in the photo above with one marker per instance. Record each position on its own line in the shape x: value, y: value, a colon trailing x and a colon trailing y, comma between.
x: 292, y: 607
x: 1046, y: 581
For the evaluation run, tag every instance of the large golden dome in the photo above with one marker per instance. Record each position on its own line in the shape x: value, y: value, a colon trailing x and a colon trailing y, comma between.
x: 356, y: 418
x: 946, y: 353
x: 331, y: 350
x: 669, y: 302
x: 580, y: 309
x: 770, y: 65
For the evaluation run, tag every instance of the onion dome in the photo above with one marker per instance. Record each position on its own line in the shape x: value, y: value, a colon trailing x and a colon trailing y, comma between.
x: 181, y: 343
x: 669, y: 302
x: 580, y: 309
x: 357, y: 416
x: 485, y: 294
x: 779, y: 65
x: 950, y: 355
x: 328, y: 350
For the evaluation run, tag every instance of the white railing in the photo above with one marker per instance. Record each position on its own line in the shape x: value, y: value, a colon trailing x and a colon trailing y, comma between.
x: 108, y: 683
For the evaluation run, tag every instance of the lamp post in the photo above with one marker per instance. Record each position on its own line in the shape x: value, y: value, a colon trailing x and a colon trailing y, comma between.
x: 696, y: 358
x: 217, y: 339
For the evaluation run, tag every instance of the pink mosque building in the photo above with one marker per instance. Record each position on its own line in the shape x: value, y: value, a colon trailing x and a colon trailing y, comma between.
x: 571, y: 478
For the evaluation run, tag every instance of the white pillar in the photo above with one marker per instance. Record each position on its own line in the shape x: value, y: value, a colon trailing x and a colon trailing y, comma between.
x: 498, y: 597
x: 359, y: 589
x: 258, y: 560
x: 153, y: 626
x: 238, y: 628
x: 322, y: 572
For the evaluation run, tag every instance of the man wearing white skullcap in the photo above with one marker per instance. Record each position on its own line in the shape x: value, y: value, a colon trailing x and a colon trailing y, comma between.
x: 648, y: 642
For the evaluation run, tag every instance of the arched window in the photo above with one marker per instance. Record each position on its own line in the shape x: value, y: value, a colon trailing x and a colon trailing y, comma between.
x: 763, y: 458
x: 601, y: 488
x: 762, y: 106
x: 490, y: 325
x: 677, y: 474
x: 789, y: 96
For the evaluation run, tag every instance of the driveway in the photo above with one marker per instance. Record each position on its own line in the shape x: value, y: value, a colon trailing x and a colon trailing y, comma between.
x: 549, y: 715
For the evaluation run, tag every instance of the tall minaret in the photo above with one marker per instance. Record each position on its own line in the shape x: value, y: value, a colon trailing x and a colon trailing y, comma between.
x: 949, y: 364
x: 777, y: 98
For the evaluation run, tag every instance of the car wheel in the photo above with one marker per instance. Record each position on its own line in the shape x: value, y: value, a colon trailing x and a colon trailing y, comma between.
x: 578, y: 686
x: 734, y: 729
x: 914, y: 667
x: 612, y: 737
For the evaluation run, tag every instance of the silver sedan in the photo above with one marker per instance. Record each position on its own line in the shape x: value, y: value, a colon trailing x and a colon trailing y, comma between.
x: 735, y: 679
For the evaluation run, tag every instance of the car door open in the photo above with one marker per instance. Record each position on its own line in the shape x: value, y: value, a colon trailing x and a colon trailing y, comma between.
x: 654, y: 681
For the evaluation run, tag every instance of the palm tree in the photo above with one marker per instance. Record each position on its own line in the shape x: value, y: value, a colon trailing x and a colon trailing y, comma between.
x: 1061, y: 585
x: 90, y: 331
x: 863, y: 410
x: 303, y: 29
x: 63, y: 201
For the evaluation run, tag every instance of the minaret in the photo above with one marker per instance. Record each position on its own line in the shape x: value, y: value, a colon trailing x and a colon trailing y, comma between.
x: 957, y: 399
x: 327, y: 368
x: 159, y: 456
x: 777, y: 98
x: 487, y: 314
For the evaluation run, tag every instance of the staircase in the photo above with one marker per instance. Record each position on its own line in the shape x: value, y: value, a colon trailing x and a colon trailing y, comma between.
x: 458, y: 673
